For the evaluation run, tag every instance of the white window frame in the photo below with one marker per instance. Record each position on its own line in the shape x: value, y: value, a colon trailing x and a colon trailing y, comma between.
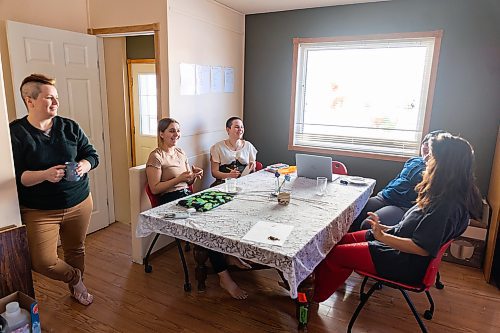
x: 351, y: 145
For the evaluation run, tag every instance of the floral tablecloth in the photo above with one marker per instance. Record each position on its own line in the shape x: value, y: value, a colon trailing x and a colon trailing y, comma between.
x: 319, y: 222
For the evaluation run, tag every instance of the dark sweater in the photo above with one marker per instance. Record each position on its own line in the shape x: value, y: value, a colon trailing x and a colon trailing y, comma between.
x: 34, y: 151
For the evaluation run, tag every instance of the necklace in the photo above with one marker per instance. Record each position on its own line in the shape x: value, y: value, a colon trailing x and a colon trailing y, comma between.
x: 235, y: 146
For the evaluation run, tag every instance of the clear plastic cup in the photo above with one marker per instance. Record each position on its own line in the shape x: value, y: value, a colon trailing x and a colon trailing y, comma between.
x: 230, y: 185
x: 321, y: 183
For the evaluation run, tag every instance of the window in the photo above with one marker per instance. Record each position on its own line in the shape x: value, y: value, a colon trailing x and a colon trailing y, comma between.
x: 369, y: 97
x: 147, y: 104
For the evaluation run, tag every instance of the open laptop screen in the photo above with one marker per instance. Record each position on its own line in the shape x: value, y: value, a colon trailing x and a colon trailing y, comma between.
x: 312, y: 166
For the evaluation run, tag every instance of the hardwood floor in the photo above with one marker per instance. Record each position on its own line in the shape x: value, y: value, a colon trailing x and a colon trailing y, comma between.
x: 128, y: 300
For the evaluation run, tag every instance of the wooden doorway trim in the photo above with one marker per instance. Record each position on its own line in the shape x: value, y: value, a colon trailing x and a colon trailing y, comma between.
x: 131, y: 100
x: 137, y: 30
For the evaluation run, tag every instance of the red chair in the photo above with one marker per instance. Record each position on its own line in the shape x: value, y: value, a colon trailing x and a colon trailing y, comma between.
x: 339, y: 168
x: 427, y: 282
x: 154, y: 200
x: 258, y: 166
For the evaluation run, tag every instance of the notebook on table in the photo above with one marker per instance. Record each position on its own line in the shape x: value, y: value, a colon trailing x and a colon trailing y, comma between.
x: 312, y: 166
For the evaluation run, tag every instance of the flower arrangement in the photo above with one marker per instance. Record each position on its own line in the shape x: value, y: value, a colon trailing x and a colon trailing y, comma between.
x: 279, y: 184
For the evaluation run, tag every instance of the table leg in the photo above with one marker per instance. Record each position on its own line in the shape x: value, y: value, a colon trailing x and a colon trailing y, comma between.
x: 200, y: 256
x: 303, y: 304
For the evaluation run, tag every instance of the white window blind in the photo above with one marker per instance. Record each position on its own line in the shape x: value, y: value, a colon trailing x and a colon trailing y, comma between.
x: 362, y: 96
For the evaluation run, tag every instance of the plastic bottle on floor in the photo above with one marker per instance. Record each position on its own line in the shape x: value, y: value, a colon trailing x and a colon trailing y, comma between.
x: 18, y: 320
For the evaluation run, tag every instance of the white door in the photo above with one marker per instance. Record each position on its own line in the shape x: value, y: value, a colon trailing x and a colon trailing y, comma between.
x: 144, y: 110
x: 71, y: 58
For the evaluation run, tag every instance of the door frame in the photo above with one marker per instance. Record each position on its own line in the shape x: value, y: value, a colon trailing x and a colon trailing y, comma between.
x: 131, y: 100
x: 137, y: 30
x: 123, y: 31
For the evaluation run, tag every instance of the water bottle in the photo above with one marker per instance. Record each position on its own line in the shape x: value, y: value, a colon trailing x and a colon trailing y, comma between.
x: 18, y: 320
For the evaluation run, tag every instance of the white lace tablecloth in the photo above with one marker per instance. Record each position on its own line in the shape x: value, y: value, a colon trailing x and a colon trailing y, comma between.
x: 319, y: 222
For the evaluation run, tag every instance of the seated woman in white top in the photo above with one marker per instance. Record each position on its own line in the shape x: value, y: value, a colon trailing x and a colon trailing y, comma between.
x: 230, y: 157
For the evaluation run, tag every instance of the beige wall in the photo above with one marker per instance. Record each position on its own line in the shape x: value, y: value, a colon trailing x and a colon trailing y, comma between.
x: 205, y: 33
x: 118, y: 13
x: 119, y: 130
x: 9, y: 205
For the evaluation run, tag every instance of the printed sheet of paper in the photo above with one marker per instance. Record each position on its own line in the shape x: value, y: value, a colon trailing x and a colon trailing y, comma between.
x: 228, y: 79
x: 202, y: 79
x: 217, y: 79
x: 268, y: 233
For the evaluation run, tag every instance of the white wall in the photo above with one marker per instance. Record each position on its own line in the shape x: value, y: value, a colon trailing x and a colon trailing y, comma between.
x: 119, y: 129
x: 204, y: 32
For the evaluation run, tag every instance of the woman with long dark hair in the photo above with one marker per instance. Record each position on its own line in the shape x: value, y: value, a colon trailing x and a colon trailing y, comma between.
x: 447, y: 196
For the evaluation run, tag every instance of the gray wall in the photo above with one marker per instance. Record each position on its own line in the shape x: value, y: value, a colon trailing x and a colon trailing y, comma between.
x: 141, y: 47
x: 466, y: 99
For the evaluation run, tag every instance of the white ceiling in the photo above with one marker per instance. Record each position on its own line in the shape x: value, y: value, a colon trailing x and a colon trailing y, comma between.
x: 267, y: 6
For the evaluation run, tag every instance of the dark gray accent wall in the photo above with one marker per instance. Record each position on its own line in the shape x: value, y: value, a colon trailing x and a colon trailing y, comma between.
x: 467, y: 93
x: 141, y: 47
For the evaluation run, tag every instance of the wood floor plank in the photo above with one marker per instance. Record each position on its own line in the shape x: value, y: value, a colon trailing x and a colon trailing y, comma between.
x: 129, y: 300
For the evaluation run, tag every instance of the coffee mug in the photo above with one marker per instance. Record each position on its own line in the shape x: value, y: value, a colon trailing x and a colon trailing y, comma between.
x: 70, y: 174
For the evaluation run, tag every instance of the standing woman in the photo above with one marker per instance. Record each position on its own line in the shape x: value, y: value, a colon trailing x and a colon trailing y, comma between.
x: 446, y: 197
x: 52, y: 207
x: 230, y: 157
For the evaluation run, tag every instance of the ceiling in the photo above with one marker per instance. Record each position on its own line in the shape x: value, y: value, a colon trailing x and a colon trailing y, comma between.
x: 267, y: 6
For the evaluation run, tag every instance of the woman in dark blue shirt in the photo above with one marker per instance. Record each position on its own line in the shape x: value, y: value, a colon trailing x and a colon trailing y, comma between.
x: 446, y: 197
x: 399, y: 195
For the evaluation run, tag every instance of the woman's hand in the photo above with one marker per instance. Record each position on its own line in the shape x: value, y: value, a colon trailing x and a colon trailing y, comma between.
x: 197, y: 172
x: 186, y: 177
x: 55, y: 173
x: 83, y: 167
x: 234, y: 173
x: 377, y: 228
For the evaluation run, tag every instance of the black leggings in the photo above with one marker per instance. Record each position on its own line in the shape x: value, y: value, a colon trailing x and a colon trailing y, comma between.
x: 217, y: 259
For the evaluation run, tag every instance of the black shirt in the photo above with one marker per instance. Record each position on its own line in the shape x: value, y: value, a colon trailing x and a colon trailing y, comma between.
x: 429, y: 229
x: 33, y: 151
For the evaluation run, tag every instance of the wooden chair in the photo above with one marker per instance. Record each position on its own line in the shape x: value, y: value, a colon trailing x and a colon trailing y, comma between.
x: 154, y: 200
x: 427, y: 282
x: 339, y: 168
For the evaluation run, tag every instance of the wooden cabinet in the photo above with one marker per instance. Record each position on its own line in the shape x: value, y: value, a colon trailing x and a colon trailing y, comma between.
x: 494, y: 201
x: 15, y: 262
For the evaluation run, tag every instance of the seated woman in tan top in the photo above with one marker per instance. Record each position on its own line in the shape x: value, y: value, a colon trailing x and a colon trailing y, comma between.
x: 169, y: 176
x: 168, y: 172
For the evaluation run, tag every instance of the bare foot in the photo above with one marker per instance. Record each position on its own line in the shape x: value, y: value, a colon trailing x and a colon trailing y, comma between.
x: 227, y: 283
x: 234, y: 261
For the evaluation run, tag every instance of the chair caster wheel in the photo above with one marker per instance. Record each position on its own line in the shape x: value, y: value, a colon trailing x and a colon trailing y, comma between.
x: 439, y: 285
x: 428, y: 315
x: 148, y: 268
x: 187, y: 287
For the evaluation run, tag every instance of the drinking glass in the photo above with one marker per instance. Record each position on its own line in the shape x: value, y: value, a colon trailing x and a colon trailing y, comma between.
x: 321, y: 185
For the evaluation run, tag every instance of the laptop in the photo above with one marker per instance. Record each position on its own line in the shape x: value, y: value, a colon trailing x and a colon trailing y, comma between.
x: 312, y: 166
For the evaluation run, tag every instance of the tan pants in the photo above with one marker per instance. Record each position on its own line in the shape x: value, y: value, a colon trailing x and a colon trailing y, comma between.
x: 44, y: 227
